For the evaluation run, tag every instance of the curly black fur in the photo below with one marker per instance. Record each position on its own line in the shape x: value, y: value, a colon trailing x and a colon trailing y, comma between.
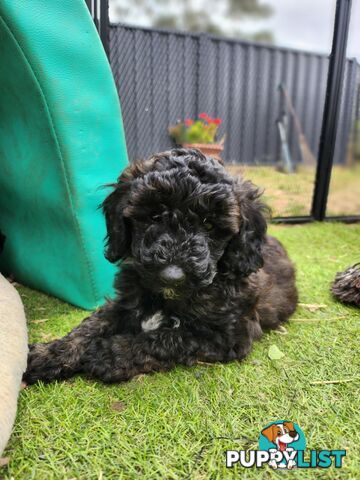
x: 199, y: 279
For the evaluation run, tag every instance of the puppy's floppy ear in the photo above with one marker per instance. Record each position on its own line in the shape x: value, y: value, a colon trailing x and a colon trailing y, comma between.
x: 243, y: 254
x: 270, y: 433
x: 118, y: 230
x: 118, y: 239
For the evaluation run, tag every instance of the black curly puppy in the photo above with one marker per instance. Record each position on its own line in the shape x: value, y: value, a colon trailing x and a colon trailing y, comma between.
x: 199, y: 279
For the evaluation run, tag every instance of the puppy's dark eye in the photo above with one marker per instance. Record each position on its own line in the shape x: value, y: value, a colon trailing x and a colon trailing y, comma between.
x: 208, y: 226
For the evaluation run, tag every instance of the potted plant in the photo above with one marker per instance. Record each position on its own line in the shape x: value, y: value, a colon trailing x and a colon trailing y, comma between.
x: 200, y: 133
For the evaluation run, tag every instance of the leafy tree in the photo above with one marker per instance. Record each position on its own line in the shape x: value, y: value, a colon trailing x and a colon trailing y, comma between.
x: 223, y: 17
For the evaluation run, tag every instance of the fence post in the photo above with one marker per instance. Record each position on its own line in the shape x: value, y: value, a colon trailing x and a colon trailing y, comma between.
x: 331, y: 109
x: 99, y: 10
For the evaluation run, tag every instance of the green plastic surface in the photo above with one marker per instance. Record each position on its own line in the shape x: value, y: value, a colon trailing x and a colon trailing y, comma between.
x: 61, y: 139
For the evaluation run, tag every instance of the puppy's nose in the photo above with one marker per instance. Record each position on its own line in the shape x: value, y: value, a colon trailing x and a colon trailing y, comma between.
x: 292, y: 433
x: 172, y: 275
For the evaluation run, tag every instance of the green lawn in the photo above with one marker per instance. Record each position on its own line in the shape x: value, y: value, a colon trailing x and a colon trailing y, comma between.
x: 291, y: 195
x: 166, y: 425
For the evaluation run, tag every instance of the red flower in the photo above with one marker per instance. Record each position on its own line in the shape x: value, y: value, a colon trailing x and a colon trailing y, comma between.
x: 188, y: 122
x: 217, y: 121
x: 204, y: 116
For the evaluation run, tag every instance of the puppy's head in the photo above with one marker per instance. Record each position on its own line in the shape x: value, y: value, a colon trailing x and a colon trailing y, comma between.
x: 281, y: 434
x: 182, y: 219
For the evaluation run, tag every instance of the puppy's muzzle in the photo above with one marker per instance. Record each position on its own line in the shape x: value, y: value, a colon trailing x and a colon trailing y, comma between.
x: 172, y: 275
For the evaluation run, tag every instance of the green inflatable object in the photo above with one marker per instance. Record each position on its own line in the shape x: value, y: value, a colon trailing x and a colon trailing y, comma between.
x: 61, y: 140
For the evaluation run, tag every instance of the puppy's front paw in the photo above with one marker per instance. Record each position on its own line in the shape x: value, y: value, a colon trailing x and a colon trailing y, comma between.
x: 42, y: 364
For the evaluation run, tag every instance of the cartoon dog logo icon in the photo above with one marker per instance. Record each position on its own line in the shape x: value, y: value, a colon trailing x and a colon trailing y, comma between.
x: 281, y: 435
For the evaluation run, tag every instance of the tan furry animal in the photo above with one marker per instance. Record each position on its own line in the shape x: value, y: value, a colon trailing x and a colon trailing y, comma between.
x: 13, y: 354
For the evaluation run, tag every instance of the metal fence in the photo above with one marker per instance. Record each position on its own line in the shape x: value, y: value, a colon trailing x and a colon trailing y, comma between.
x: 99, y: 10
x: 165, y: 76
x: 356, y: 130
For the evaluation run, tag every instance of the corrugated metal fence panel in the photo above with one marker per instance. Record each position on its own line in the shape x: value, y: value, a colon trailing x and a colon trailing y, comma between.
x: 347, y: 111
x: 166, y: 76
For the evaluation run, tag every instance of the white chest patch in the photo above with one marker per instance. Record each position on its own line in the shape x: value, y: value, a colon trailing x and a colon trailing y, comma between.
x: 152, y: 323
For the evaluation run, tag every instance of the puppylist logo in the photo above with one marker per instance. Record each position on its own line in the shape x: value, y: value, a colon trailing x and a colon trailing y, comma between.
x: 282, y: 445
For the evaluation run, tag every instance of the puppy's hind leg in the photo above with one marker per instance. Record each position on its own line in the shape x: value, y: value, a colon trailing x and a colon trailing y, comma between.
x: 60, y: 358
